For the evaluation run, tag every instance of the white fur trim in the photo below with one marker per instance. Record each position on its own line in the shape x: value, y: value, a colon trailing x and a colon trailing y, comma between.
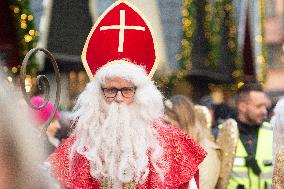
x: 123, y: 69
x: 192, y: 184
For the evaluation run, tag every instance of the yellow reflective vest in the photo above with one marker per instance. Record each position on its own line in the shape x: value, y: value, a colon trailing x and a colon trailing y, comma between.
x: 242, y: 174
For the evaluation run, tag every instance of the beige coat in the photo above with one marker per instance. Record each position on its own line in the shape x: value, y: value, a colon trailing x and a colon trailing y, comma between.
x: 209, y: 169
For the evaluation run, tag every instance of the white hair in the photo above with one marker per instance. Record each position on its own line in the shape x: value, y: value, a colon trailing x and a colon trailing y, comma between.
x: 277, y: 123
x: 117, y: 138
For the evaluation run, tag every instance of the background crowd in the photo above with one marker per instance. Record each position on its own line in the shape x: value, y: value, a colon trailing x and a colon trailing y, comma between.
x: 201, y: 121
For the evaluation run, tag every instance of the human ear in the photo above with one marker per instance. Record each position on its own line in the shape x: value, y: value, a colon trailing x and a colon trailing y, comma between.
x: 242, y: 106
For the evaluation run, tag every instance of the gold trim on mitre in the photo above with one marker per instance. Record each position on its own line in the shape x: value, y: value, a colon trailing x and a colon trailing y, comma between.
x: 83, y: 55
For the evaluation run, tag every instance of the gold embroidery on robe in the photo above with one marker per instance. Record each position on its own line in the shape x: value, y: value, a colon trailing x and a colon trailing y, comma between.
x: 129, y: 185
x: 278, y: 172
x: 107, y: 184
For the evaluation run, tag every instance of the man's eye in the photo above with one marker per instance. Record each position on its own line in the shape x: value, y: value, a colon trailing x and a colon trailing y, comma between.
x: 111, y: 90
x: 128, y: 90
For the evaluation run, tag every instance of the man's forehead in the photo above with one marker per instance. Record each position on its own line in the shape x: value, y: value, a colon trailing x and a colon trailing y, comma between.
x: 257, y: 97
x: 118, y: 80
x: 257, y: 94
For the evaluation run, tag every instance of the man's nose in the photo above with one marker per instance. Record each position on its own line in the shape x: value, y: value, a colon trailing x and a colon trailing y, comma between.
x: 118, y: 97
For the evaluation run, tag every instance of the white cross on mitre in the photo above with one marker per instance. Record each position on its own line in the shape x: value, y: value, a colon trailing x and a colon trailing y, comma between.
x: 121, y: 27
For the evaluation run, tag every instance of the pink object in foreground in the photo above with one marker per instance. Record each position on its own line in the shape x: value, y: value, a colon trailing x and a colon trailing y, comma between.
x: 42, y: 115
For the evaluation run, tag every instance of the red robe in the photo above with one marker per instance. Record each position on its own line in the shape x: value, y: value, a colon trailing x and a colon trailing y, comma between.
x: 181, y: 157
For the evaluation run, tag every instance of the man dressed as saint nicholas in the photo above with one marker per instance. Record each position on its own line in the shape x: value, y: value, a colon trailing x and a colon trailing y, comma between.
x: 119, y: 138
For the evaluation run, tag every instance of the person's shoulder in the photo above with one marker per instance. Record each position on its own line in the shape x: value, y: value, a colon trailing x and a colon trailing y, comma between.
x: 63, y: 150
x: 266, y: 125
x: 177, y: 140
x: 181, y: 153
x: 163, y: 128
x: 68, y: 142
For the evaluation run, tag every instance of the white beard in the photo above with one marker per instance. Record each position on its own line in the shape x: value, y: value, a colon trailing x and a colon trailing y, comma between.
x: 118, y: 144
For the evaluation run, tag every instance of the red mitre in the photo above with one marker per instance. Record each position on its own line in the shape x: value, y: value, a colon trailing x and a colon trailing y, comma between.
x: 121, y: 32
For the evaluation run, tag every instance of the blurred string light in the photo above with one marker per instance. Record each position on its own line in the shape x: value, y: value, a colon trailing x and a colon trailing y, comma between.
x: 28, y: 83
x: 27, y: 35
x: 188, y: 13
x: 221, y: 15
x: 10, y: 79
x: 218, y: 15
x: 261, y: 59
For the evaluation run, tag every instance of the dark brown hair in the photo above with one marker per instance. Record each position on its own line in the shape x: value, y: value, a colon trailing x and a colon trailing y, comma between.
x: 243, y: 91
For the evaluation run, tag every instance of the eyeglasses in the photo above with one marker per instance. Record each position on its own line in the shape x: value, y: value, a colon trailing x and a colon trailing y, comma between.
x: 127, y: 92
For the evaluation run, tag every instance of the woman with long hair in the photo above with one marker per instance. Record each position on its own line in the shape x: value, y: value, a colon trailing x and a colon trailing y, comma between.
x: 196, y: 121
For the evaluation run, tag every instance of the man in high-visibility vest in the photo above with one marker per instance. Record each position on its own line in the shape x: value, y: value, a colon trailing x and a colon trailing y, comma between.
x: 253, y: 163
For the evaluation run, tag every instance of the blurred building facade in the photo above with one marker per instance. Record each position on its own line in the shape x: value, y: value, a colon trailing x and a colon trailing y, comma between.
x: 64, y: 26
x: 9, y: 47
x: 17, y: 36
x: 274, y: 38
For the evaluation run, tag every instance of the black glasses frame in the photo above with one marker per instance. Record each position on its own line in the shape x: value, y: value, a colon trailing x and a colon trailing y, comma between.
x: 121, y: 91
